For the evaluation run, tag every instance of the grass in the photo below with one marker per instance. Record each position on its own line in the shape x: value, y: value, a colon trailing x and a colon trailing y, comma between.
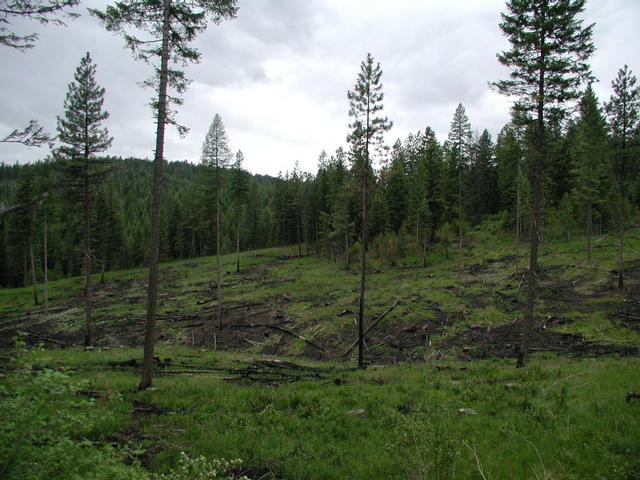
x: 561, y: 418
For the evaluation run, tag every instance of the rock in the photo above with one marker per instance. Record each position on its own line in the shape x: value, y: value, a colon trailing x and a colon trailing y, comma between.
x: 152, y: 389
x: 356, y: 413
x: 467, y: 411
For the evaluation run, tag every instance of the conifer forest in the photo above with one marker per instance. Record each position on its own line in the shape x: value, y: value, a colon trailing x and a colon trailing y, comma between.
x: 436, y: 305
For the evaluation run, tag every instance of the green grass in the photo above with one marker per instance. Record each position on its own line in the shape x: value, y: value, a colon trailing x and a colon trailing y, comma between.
x: 559, y: 418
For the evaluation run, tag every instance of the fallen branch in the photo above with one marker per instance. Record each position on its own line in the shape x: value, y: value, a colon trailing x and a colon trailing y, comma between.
x: 294, y: 334
x: 370, y: 327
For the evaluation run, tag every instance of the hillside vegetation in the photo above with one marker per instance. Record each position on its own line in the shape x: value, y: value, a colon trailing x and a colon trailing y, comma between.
x: 277, y: 391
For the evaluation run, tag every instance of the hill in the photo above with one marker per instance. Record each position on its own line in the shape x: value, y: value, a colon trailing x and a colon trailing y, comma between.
x: 279, y: 298
x: 440, y: 399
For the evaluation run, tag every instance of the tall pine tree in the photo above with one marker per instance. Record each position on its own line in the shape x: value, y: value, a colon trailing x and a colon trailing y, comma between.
x: 81, y: 134
x: 589, y: 158
x: 548, y: 62
x: 623, y: 114
x: 162, y: 32
x: 216, y: 156
x: 367, y: 132
x: 239, y: 193
x: 459, y: 147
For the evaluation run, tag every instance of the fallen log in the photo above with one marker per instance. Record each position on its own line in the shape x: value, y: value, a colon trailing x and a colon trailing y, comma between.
x: 370, y: 327
x: 294, y: 334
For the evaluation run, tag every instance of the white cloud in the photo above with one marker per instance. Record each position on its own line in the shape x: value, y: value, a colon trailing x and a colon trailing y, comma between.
x: 279, y: 73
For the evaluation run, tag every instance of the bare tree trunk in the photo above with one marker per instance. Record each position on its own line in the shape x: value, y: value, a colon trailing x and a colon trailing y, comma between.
x: 33, y: 272
x: 45, y: 293
x: 238, y: 244
x: 536, y: 186
x: 424, y: 249
x: 621, y: 237
x: 589, y: 230
x: 346, y: 234
x: 363, y: 272
x: 518, y: 220
x: 299, y: 240
x: 459, y: 218
x: 152, y: 294
x: 87, y: 261
x: 218, y: 286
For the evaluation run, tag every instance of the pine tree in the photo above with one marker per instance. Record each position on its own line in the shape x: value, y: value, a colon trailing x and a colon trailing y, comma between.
x: 239, y: 193
x: 459, y: 147
x: 623, y: 114
x: 81, y: 134
x: 483, y: 182
x: 216, y: 156
x: 426, y: 186
x: 367, y: 131
x: 589, y: 156
x: 170, y: 26
x: 548, y: 61
x: 395, y: 187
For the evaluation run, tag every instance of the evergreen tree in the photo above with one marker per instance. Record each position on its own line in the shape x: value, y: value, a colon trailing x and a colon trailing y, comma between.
x: 367, y: 131
x: 483, y: 194
x: 623, y: 114
x: 81, y: 134
x: 239, y: 193
x: 589, y: 158
x: 427, y: 186
x: 510, y: 182
x: 216, y: 155
x: 459, y: 149
x: 395, y: 179
x: 171, y: 25
x: 548, y: 61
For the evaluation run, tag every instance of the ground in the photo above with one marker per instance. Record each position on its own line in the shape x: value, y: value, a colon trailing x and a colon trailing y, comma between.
x: 276, y: 385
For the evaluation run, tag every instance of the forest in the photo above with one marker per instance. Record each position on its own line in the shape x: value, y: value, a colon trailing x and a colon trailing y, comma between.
x: 132, y: 288
x: 413, y: 201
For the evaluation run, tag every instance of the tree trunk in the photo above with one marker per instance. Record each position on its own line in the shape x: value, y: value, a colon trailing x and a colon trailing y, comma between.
x: 33, y: 272
x: 346, y: 234
x: 459, y: 217
x: 152, y: 293
x: 589, y: 230
x: 87, y: 260
x: 536, y: 186
x: 621, y: 236
x: 424, y: 249
x: 518, y: 220
x: 218, y: 286
x: 363, y: 273
x: 299, y: 240
x: 45, y: 293
x: 238, y: 244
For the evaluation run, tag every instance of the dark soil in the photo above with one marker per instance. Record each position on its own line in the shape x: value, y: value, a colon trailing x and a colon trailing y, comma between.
x: 504, y: 341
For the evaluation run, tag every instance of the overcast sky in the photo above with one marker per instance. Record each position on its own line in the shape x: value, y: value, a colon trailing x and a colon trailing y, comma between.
x: 278, y: 74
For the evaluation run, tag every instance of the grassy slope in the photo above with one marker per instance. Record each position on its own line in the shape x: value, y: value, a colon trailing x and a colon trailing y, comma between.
x: 560, y: 418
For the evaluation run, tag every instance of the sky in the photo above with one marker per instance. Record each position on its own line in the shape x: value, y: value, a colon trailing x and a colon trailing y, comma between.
x: 279, y: 73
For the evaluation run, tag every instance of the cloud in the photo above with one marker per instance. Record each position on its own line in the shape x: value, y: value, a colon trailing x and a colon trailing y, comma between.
x: 279, y: 73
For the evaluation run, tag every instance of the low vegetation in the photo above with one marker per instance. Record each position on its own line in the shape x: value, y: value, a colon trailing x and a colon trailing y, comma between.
x: 440, y: 397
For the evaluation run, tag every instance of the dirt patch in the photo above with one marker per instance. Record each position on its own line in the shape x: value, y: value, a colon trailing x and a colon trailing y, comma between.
x: 627, y: 316
x: 504, y: 341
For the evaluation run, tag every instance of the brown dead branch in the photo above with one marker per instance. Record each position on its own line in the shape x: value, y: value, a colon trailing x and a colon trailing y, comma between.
x: 370, y: 327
